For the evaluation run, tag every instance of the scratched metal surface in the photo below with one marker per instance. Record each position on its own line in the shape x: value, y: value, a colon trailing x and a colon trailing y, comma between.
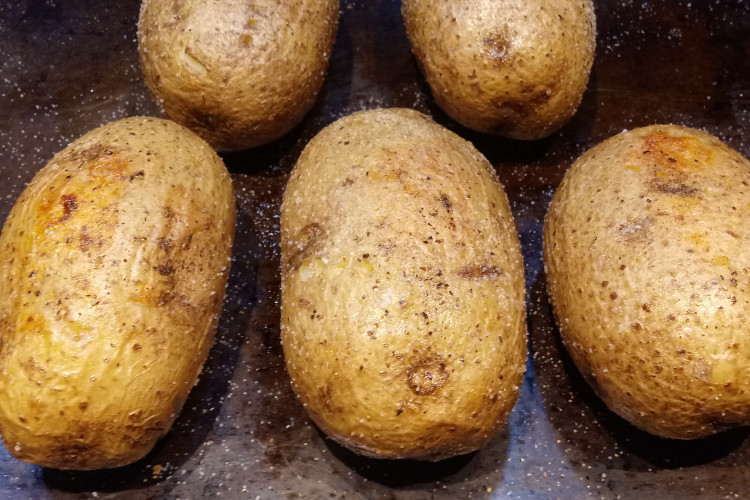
x: 68, y: 66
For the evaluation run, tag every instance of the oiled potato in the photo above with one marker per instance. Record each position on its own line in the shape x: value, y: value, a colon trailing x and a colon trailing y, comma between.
x: 237, y: 73
x: 115, y: 258
x: 646, y: 251
x: 516, y: 68
x: 403, y: 319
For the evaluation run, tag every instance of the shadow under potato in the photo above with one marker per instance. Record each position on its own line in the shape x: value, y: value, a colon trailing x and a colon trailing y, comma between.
x: 204, y: 402
x: 267, y: 160
x: 397, y: 473
x: 662, y: 452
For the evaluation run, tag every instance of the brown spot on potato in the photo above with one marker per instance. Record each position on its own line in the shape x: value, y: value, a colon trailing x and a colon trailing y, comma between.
x: 325, y: 396
x: 33, y: 369
x: 165, y: 244
x: 510, y: 110
x: 426, y: 374
x: 51, y: 216
x: 164, y: 269
x: 702, y: 371
x: 69, y: 205
x: 206, y: 120
x: 497, y: 47
x: 138, y: 174
x: 445, y: 201
x: 480, y: 271
x: 672, y: 187
x: 305, y: 243
x: 86, y: 241
x: 680, y: 154
x: 86, y: 155
x: 107, y: 166
x: 635, y: 231
x: 673, y: 159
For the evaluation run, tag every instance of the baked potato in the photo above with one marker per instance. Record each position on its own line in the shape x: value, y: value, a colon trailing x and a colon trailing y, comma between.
x: 517, y: 68
x: 115, y: 259
x: 646, y: 252
x: 403, y: 311
x: 239, y: 74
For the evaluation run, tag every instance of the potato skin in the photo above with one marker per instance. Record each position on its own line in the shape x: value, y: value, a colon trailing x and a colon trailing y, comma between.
x: 645, y: 247
x: 239, y: 74
x: 115, y: 259
x: 516, y: 68
x: 403, y: 314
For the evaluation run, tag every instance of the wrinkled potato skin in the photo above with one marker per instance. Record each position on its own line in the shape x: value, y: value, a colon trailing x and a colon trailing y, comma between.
x: 238, y: 73
x: 115, y: 259
x: 508, y: 67
x: 403, y: 315
x: 645, y: 247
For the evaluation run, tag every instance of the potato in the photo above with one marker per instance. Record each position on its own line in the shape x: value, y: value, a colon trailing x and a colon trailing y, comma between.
x: 510, y: 67
x: 645, y: 247
x: 115, y: 259
x: 239, y: 74
x: 403, y: 315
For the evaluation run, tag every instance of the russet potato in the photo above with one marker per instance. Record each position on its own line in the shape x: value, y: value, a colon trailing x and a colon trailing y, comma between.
x: 516, y: 68
x: 238, y: 73
x: 114, y: 263
x: 403, y: 313
x: 646, y: 251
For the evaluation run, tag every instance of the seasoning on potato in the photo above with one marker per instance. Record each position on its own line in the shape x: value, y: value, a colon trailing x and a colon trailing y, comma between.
x: 403, y: 314
x: 239, y: 74
x: 115, y: 259
x: 508, y: 67
x: 646, y: 251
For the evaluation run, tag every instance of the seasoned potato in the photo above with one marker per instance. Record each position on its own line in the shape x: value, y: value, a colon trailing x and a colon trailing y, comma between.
x: 508, y: 67
x: 115, y: 259
x: 646, y: 251
x: 403, y: 316
x: 237, y: 73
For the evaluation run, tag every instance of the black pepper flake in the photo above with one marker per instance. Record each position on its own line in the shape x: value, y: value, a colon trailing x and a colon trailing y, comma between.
x: 445, y: 201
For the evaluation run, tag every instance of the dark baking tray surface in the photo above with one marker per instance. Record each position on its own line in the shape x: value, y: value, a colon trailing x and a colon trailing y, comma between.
x: 67, y: 66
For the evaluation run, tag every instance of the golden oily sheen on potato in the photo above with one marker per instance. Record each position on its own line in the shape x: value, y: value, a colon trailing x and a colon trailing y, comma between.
x: 238, y: 73
x: 115, y: 259
x: 403, y: 315
x: 517, y: 68
x: 646, y: 251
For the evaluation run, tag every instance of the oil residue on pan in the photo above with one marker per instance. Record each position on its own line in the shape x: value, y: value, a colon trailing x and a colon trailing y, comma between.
x: 70, y: 66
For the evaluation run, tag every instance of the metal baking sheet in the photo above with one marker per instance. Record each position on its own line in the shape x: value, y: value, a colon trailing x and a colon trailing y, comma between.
x: 67, y: 66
